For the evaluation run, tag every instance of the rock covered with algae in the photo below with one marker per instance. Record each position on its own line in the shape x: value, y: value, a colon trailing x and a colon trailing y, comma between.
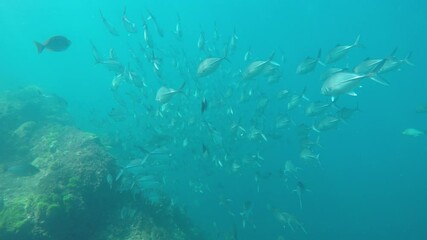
x: 68, y: 197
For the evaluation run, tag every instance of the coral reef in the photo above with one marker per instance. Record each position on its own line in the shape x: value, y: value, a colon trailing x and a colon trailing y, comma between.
x: 69, y: 196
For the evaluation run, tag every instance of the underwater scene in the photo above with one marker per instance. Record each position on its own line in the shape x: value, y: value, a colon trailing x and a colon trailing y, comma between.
x: 213, y: 120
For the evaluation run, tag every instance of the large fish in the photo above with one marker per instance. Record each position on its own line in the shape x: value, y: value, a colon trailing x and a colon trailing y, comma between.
x: 21, y: 169
x: 256, y: 68
x: 344, y: 82
x: 394, y: 63
x: 209, y: 65
x: 112, y: 30
x: 422, y: 108
x: 129, y: 26
x: 340, y: 51
x: 156, y: 24
x: 55, y: 44
x: 412, y: 132
x: 309, y: 64
x: 165, y: 94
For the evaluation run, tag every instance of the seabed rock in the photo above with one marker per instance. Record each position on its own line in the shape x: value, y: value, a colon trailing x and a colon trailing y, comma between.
x: 53, y: 183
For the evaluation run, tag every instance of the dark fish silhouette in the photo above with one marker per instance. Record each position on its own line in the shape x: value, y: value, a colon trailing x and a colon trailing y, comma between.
x: 55, y: 43
x: 21, y: 169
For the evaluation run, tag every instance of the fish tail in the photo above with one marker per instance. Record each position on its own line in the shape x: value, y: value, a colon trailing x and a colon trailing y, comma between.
x: 357, y: 42
x: 271, y: 56
x: 315, y: 129
x: 40, y: 47
x: 373, y: 75
x: 182, y: 86
x: 407, y: 61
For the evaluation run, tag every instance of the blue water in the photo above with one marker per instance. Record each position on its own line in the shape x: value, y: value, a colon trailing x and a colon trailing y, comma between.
x: 371, y: 184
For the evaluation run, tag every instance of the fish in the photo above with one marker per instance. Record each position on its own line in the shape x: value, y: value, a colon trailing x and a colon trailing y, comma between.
x: 55, y: 44
x: 204, y: 105
x: 117, y: 81
x: 117, y: 114
x: 421, y: 108
x: 201, y: 42
x: 113, y: 66
x: 283, y: 121
x: 178, y: 30
x: 246, y: 213
x: 391, y: 63
x: 344, y: 82
x: 156, y: 24
x: 309, y: 64
x: 247, y: 55
x: 110, y: 180
x: 147, y: 36
x: 341, y: 51
x: 327, y: 123
x: 165, y: 94
x: 346, y: 113
x: 299, y: 191
x: 129, y: 26
x: 394, y: 63
x: 412, y: 132
x: 96, y: 54
x: 215, y: 33
x: 295, y: 99
x: 107, y: 24
x: 256, y: 68
x: 290, y: 168
x: 307, y: 154
x: 209, y: 66
x: 330, y: 71
x: 317, y: 108
x: 1, y: 203
x: 287, y: 220
x: 21, y: 169
x: 233, y: 42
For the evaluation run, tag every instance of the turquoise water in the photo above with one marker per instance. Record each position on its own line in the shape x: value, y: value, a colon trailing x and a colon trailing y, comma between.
x: 371, y: 182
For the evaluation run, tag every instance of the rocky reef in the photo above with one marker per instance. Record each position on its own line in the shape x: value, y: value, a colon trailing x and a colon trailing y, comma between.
x: 53, y: 180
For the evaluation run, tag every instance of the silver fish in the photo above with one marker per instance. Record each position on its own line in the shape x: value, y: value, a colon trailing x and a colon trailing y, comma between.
x: 113, y: 65
x: 341, y: 51
x: 147, y: 36
x: 178, y: 30
x: 256, y: 68
x: 326, y: 123
x: 201, y: 41
x: 317, y: 108
x: 309, y: 64
x: 344, y: 82
x: 156, y: 24
x: 165, y: 94
x: 129, y: 26
x: 107, y: 24
x: 209, y: 65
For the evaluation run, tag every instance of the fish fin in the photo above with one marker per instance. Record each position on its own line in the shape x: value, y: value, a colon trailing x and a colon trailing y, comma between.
x: 357, y: 42
x: 351, y: 93
x: 319, y: 54
x: 271, y: 57
x: 380, y: 80
x: 40, y: 47
x: 315, y: 129
x: 406, y: 60
x: 393, y: 52
x: 124, y: 12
